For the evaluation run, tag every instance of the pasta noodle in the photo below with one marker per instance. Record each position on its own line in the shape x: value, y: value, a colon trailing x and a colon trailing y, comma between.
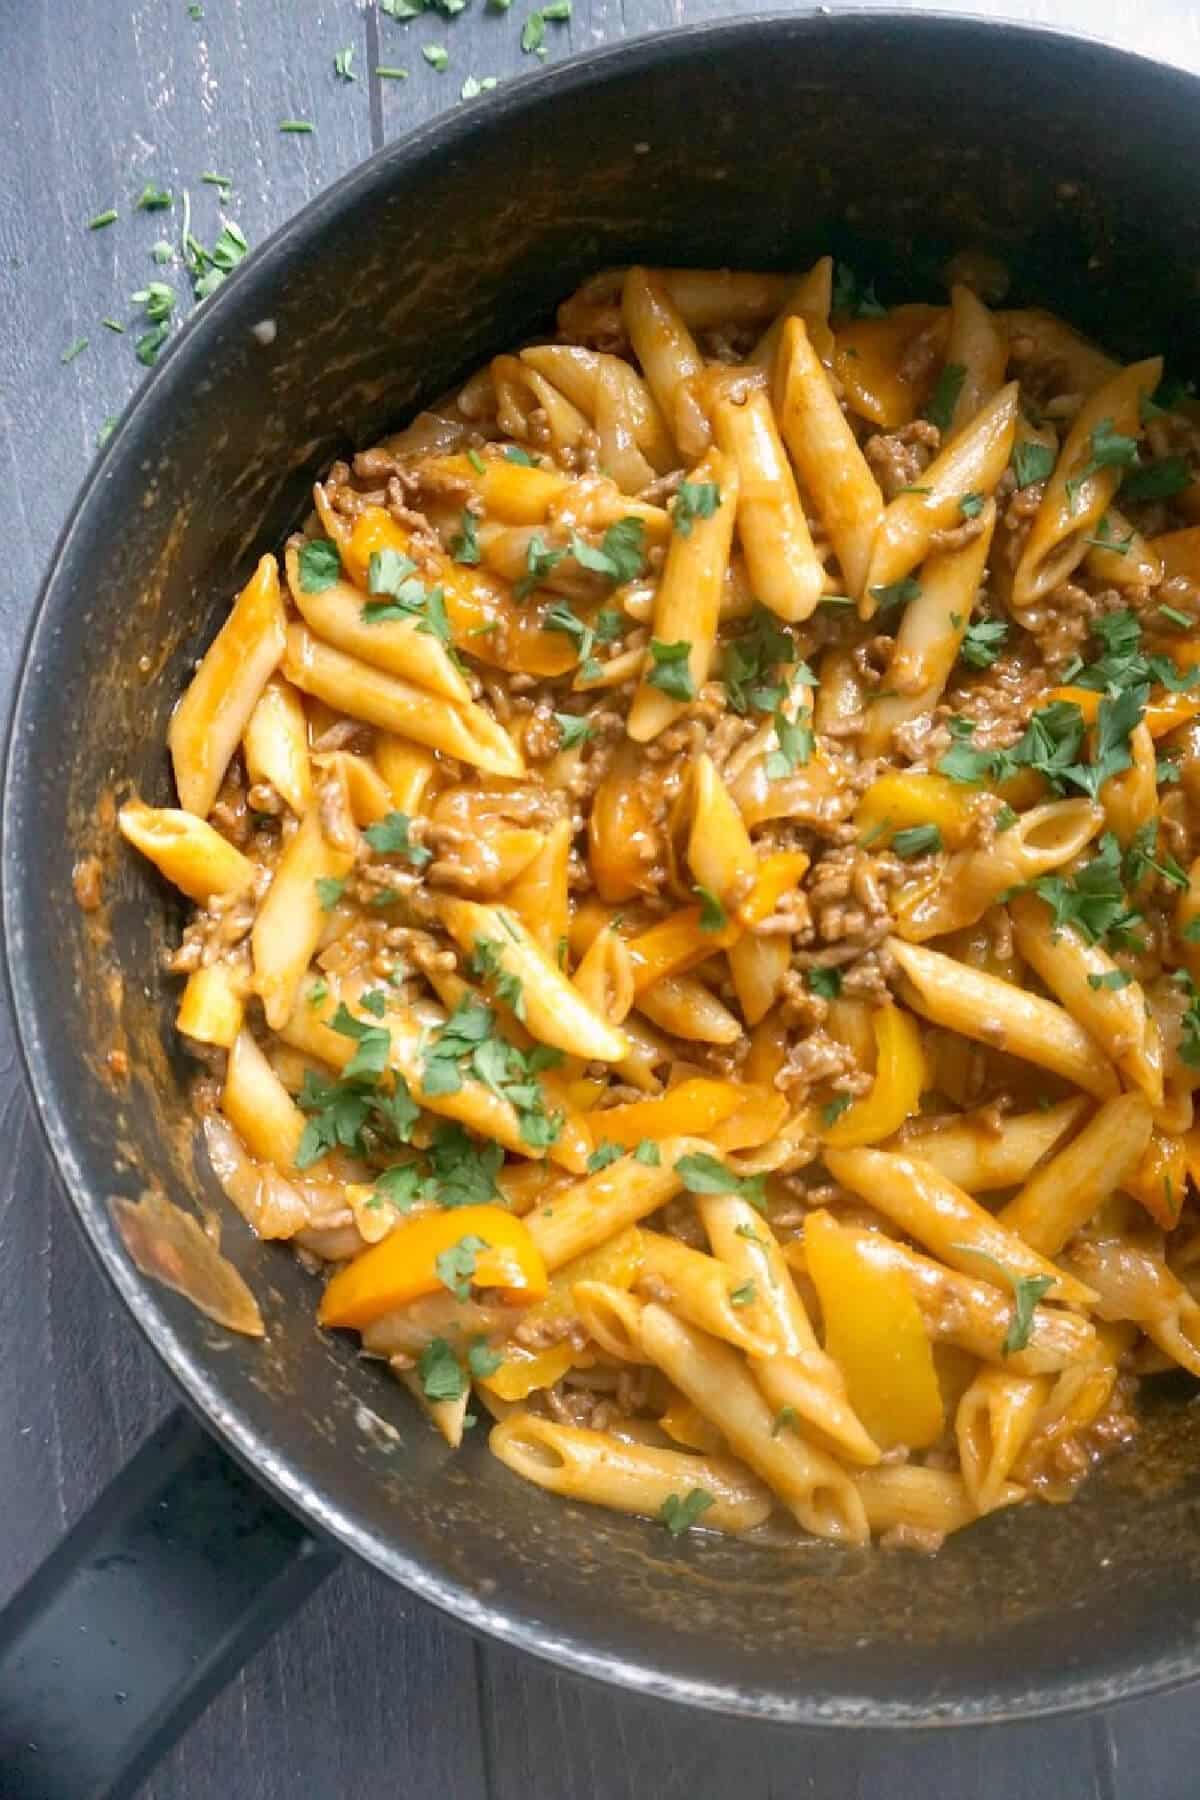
x: 693, y: 877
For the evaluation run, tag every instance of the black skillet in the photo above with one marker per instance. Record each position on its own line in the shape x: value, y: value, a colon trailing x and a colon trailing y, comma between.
x: 894, y: 140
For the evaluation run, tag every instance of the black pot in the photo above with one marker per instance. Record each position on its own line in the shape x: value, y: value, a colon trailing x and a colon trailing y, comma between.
x: 893, y: 140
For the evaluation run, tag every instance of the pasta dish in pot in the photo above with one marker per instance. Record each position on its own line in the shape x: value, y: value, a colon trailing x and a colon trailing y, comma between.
x: 696, y: 860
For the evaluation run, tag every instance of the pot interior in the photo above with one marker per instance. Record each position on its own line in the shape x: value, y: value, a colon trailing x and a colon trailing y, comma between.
x: 894, y: 142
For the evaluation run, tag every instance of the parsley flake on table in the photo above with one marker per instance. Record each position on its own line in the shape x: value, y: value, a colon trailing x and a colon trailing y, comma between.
x: 153, y: 199
x: 342, y: 64
x: 102, y: 219
x: 679, y: 1515
x: 694, y: 500
x: 671, y: 674
x: 296, y: 128
x: 437, y: 56
x: 320, y: 565
x: 74, y: 350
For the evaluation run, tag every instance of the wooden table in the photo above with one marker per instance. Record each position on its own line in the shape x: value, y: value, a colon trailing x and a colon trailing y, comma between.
x: 366, y: 1694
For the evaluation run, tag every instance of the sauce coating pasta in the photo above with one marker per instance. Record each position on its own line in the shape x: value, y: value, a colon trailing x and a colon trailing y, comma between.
x: 695, y: 848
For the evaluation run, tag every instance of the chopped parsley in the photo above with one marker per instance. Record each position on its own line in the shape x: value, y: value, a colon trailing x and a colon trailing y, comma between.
x: 152, y: 199
x: 1158, y: 480
x: 832, y: 1111
x: 468, y: 1040
x: 1110, y: 450
x: 1052, y: 744
x: 329, y: 890
x: 826, y: 983
x: 787, y: 1415
x: 74, y: 350
x: 679, y: 1515
x: 1027, y: 1290
x: 1123, y: 663
x: 971, y: 505
x: 1092, y: 901
x: 917, y: 840
x: 391, y: 578
x: 573, y: 729
x: 516, y: 454
x: 796, y: 744
x: 400, y: 1185
x: 704, y: 1174
x: 750, y: 659
x: 671, y: 674
x: 1032, y: 462
x: 102, y: 219
x: 694, y: 500
x: 320, y: 565
x: 648, y: 1153
x: 342, y: 64
x: 390, y: 837
x: 605, y: 1153
x: 296, y: 128
x: 983, y: 643
x: 1112, y: 979
x: 1142, y: 859
x: 940, y: 410
x: 440, y: 1375
x: 482, y: 1360
x: 742, y: 1296
x: 852, y: 296
x: 896, y: 593
x: 712, y: 914
x: 540, y: 560
x: 464, y: 545
x: 621, y: 556
x: 456, y: 1266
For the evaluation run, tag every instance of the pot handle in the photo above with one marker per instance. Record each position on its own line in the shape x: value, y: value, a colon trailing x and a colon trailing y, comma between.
x: 155, y: 1598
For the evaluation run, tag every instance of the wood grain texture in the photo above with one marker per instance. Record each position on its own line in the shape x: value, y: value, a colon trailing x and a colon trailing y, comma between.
x: 367, y: 1694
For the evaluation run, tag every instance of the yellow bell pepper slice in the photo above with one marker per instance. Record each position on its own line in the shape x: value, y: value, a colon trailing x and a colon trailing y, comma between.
x: 777, y: 875
x: 483, y: 616
x: 875, y: 1335
x: 523, y: 1371
x: 895, y: 802
x: 404, y: 1265
x: 896, y: 1091
x: 871, y: 363
x: 1159, y: 1183
x: 677, y: 943
x: 690, y: 1109
x: 1162, y: 714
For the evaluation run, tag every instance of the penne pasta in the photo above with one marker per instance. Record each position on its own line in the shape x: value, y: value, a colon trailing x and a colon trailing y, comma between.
x: 395, y: 705
x: 971, y: 463
x: 291, y: 918
x: 667, y: 352
x: 208, y: 723
x: 193, y: 857
x: 339, y: 615
x: 825, y: 452
x: 1083, y: 483
x: 275, y: 745
x: 814, y: 1488
x: 687, y: 605
x: 1037, y: 842
x: 919, y: 1199
x: 981, y: 1156
x: 784, y: 568
x: 1002, y: 1016
x: 1062, y: 1196
x: 632, y: 1478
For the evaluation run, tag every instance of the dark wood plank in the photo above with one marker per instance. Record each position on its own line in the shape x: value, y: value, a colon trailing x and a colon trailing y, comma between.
x: 366, y: 1694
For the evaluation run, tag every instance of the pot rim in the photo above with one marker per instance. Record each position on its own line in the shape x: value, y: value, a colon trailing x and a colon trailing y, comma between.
x: 179, y: 366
